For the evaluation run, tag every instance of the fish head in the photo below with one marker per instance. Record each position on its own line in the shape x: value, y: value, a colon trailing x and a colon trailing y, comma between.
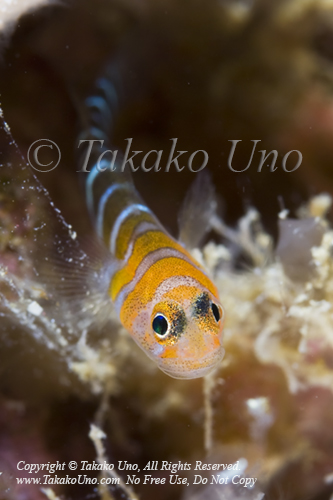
x: 183, y: 332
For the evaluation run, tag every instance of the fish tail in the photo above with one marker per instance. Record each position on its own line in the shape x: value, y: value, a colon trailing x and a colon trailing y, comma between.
x: 114, y: 204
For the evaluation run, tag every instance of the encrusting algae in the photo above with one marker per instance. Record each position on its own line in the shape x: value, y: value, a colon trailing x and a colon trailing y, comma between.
x: 71, y: 390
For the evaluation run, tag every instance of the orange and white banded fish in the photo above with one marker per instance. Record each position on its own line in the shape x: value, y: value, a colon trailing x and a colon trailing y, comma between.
x: 162, y: 295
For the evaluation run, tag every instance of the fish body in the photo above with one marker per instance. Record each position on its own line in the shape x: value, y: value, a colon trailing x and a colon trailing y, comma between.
x: 162, y: 295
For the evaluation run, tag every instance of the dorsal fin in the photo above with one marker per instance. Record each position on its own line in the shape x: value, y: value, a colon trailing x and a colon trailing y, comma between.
x: 196, y: 213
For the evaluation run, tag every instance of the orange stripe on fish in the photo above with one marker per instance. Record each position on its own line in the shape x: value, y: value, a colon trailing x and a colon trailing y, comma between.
x: 145, y: 244
x: 156, y: 274
x: 126, y: 232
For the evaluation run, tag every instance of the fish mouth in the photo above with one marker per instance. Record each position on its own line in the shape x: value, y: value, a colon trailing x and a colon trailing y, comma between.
x: 190, y: 368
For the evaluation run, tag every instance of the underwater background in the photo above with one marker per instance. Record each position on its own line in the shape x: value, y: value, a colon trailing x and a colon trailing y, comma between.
x: 205, y: 73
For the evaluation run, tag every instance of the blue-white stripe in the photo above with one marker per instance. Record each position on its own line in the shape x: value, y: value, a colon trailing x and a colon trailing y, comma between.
x: 136, y: 207
x: 102, y: 203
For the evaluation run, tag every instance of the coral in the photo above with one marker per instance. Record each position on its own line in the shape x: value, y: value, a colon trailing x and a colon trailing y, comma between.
x: 13, y: 9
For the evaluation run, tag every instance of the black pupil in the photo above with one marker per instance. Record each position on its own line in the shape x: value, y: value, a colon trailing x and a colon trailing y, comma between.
x: 160, y: 325
x: 216, y: 312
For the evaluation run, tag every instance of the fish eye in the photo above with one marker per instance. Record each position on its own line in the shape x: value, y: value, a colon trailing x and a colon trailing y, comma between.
x: 160, y: 325
x: 217, y: 312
